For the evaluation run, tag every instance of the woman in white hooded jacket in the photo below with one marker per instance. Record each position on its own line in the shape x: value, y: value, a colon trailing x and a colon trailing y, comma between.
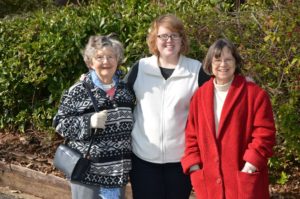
x: 163, y: 84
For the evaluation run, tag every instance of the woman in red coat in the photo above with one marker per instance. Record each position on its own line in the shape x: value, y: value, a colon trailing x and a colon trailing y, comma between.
x: 230, y: 131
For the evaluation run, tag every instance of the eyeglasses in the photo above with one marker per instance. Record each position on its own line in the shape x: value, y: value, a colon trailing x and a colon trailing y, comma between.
x: 108, y: 58
x: 219, y: 61
x: 165, y: 37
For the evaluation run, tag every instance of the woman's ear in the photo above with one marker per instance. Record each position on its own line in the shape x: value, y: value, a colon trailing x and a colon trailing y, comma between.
x: 91, y: 66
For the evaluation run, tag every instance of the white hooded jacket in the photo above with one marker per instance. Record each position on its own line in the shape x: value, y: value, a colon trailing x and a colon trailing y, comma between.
x: 162, y: 109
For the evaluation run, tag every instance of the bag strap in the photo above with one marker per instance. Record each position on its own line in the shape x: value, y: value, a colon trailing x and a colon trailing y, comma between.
x: 88, y: 88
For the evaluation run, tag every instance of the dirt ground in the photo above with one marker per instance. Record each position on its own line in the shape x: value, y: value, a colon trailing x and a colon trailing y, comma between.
x: 35, y: 151
x: 31, y: 150
x: 8, y: 193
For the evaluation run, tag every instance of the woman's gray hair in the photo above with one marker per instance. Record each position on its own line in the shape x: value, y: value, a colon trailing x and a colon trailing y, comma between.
x: 98, y: 42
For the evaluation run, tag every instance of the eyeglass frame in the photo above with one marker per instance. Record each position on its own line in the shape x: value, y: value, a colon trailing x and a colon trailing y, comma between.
x: 103, y: 57
x: 165, y: 37
x: 218, y: 61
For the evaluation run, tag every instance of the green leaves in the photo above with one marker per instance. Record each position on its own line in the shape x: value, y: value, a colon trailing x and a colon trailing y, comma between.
x: 40, y: 50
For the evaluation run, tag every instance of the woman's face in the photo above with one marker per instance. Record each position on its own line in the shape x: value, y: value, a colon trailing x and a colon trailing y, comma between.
x: 168, y: 42
x: 223, y: 67
x: 105, y: 63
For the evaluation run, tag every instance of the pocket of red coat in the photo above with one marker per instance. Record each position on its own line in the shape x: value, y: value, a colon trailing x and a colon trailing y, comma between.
x: 198, y: 182
x: 249, y: 185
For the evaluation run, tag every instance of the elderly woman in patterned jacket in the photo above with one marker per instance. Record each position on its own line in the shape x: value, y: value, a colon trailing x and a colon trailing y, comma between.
x: 110, y: 152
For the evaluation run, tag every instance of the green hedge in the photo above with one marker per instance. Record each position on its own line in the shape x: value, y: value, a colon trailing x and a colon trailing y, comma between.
x: 40, y: 52
x: 15, y: 7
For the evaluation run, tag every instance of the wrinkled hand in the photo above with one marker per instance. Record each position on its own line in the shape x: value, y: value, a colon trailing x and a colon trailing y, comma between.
x: 98, y: 119
x: 249, y: 168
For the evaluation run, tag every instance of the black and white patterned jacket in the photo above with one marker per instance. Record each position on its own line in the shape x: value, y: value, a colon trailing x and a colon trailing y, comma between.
x: 111, y: 149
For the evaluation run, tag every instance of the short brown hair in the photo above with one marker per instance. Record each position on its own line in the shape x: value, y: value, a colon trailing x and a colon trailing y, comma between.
x: 174, y: 24
x: 215, y: 51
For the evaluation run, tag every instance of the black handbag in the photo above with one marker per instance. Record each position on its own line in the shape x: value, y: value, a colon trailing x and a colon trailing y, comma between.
x: 71, y: 161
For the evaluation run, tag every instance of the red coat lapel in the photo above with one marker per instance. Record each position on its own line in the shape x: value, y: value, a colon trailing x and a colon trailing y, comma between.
x: 232, y: 97
x: 207, y: 103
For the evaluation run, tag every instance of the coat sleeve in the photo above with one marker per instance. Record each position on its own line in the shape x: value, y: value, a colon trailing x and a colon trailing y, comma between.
x: 191, y: 154
x: 263, y: 135
x: 71, y: 121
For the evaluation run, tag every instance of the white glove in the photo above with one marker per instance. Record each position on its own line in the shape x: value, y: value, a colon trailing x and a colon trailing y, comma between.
x: 98, y: 119
x: 249, y: 168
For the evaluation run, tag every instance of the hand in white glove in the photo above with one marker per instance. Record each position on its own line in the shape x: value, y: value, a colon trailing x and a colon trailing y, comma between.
x: 98, y: 119
x: 249, y: 168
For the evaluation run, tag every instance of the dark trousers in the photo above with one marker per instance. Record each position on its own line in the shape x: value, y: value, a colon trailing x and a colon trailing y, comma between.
x: 158, y: 181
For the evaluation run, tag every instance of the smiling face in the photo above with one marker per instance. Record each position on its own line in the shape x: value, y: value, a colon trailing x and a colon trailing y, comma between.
x: 223, y: 67
x: 169, y: 47
x: 105, y: 64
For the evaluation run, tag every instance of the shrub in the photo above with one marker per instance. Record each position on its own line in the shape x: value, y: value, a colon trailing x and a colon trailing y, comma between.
x: 40, y: 52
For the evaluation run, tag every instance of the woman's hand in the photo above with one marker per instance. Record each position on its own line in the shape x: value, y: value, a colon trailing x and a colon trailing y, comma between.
x: 98, y: 119
x: 194, y: 168
x: 249, y: 168
x: 82, y: 77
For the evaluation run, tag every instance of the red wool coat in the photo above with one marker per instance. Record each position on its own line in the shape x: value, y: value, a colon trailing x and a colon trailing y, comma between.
x: 246, y: 134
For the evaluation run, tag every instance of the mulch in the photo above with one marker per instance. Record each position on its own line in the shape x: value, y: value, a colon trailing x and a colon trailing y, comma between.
x: 35, y: 150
